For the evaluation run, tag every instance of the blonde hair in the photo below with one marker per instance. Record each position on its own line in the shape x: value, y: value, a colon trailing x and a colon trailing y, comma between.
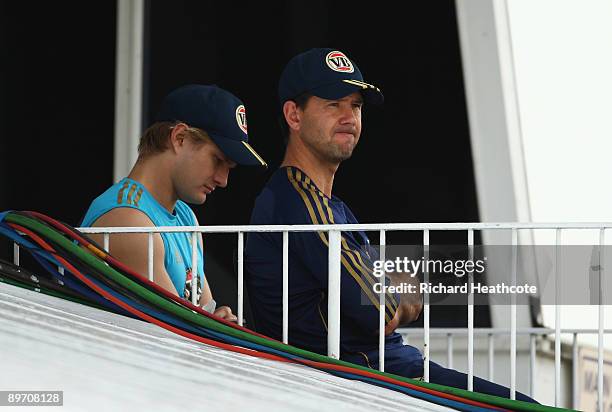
x: 156, y: 138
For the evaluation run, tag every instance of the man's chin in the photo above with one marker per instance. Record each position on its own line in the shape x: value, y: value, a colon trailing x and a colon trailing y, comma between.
x: 344, y: 154
x: 196, y: 200
x: 338, y: 157
x: 335, y: 153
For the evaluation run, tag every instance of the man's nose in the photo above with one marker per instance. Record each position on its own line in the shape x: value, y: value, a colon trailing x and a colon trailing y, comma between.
x: 348, y: 115
x: 221, y: 176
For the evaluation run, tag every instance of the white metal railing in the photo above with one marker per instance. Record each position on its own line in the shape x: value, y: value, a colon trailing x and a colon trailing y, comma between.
x: 490, y: 333
x: 334, y: 232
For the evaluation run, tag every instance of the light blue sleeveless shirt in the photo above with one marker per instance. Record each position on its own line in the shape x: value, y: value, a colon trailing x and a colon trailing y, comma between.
x: 177, y: 246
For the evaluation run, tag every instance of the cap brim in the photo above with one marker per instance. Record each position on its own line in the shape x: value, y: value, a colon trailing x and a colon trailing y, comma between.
x: 239, y: 151
x: 337, y: 90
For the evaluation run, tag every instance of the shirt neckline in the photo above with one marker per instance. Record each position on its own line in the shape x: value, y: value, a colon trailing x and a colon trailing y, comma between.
x: 332, y: 198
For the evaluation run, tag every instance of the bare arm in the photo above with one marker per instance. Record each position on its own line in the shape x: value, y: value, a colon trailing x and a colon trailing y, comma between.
x: 132, y: 248
x: 224, y: 312
x: 206, y: 293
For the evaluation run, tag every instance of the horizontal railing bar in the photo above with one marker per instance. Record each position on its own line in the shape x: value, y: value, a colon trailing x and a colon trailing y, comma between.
x: 346, y: 228
x: 497, y: 331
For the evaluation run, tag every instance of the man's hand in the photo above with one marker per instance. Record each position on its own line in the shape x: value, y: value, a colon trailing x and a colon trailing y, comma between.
x: 410, y: 305
x: 409, y: 312
x: 224, y: 312
x: 405, y: 314
x: 393, y: 323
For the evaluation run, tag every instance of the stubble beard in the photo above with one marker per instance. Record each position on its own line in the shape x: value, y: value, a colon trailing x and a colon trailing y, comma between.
x: 329, y: 150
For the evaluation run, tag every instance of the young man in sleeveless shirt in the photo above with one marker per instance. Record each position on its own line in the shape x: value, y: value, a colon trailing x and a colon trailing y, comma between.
x: 199, y: 134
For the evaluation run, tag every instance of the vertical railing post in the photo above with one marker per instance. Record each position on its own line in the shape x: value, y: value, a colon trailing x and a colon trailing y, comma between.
x: 16, y: 254
x: 150, y: 256
x: 532, y: 364
x: 194, y: 268
x: 105, y: 244
x: 381, y: 308
x: 556, y: 270
x: 426, y: 307
x: 449, y: 350
x: 333, y: 298
x: 600, y: 362
x: 285, y: 287
x: 491, y: 355
x: 241, y: 278
x: 515, y: 244
x: 575, y: 371
x: 470, y: 313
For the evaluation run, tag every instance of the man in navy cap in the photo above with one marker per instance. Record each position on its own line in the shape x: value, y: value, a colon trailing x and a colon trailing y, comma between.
x: 321, y: 94
x: 200, y: 133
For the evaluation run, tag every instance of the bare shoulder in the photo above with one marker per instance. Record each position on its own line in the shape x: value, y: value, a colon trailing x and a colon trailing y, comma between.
x: 130, y: 248
x: 123, y: 216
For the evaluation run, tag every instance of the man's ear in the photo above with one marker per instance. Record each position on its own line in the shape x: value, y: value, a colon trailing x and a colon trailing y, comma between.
x: 292, y: 115
x: 177, y: 136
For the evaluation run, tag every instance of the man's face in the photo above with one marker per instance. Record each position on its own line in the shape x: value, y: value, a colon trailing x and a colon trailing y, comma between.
x: 331, y: 128
x: 200, y: 168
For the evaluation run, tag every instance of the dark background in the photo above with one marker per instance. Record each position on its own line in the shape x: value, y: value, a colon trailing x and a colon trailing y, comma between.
x: 413, y: 163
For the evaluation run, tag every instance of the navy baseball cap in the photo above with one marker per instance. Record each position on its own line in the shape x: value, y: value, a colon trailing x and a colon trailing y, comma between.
x: 325, y: 73
x: 216, y: 111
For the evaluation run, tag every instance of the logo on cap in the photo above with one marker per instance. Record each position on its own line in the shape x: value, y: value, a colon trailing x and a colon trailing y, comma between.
x: 338, y: 62
x: 241, y: 118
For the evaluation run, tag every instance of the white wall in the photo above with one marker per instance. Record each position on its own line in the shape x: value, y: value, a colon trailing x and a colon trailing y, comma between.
x: 563, y: 65
x: 562, y: 52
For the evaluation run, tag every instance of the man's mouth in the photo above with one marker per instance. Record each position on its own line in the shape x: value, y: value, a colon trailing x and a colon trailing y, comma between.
x: 345, y: 135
